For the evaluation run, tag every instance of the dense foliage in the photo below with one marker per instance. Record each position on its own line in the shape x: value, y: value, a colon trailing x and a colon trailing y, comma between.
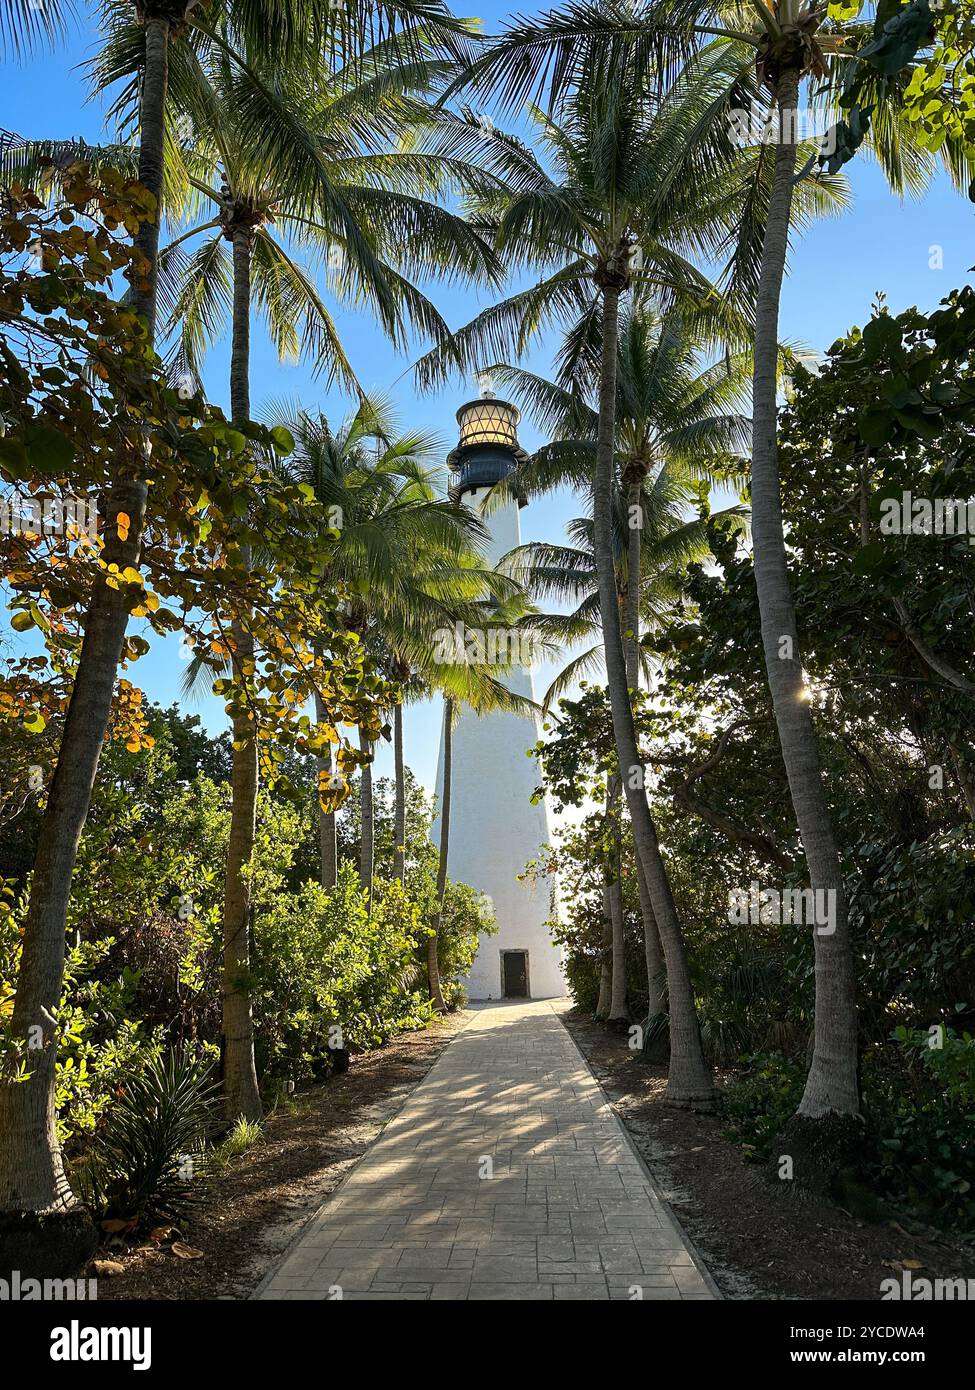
x: 330, y: 972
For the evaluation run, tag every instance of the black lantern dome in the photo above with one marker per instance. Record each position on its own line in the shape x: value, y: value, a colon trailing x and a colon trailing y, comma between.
x: 488, y: 450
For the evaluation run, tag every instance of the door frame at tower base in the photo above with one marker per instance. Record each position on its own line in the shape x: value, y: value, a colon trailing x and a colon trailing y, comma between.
x: 517, y: 951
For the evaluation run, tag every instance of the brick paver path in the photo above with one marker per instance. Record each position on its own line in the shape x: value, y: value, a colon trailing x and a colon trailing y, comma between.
x: 505, y: 1176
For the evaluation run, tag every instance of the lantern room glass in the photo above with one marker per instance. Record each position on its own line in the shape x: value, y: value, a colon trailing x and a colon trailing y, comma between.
x: 488, y: 422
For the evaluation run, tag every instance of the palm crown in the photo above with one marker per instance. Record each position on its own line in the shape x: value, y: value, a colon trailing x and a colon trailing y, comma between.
x: 677, y: 429
x: 631, y: 184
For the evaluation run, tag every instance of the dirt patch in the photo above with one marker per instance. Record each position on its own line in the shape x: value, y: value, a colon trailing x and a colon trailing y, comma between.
x: 252, y: 1209
x: 757, y: 1238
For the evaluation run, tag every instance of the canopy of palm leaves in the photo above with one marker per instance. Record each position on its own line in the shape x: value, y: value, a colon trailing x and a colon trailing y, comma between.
x: 25, y: 25
x: 624, y: 171
x: 677, y: 428
x: 264, y: 153
x: 565, y: 49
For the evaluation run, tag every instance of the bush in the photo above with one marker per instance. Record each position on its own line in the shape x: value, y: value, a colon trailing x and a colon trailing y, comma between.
x: 582, y: 977
x: 99, y: 1043
x: 763, y: 1098
x: 467, y: 914
x: 920, y: 1107
x: 327, y: 970
x: 918, y: 1154
x: 151, y: 1144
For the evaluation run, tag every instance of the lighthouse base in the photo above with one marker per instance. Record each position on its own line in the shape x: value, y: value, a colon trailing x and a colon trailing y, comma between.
x: 496, y: 829
x: 515, y: 972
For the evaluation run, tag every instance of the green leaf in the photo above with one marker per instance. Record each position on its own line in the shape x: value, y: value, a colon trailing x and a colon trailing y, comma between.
x: 48, y: 449
x: 876, y: 425
x: 869, y: 557
x: 282, y: 439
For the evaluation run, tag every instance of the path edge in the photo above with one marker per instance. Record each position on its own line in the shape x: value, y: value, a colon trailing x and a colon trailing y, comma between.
x: 692, y: 1249
x: 283, y: 1255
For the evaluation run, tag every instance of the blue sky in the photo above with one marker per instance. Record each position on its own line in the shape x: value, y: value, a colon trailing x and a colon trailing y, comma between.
x: 837, y: 268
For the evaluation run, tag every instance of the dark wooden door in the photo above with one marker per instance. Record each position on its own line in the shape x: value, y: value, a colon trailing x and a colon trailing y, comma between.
x: 514, y: 965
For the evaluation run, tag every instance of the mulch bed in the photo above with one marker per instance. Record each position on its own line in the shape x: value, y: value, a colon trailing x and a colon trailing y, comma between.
x: 253, y: 1208
x: 758, y: 1239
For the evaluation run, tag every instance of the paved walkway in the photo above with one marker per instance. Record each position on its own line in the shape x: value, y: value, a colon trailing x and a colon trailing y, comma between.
x: 506, y: 1175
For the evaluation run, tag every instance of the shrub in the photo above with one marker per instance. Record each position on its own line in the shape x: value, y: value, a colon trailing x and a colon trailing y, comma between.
x: 763, y: 1098
x: 920, y: 1107
x: 327, y: 970
x: 151, y: 1144
x: 582, y: 977
x: 918, y: 1154
x: 467, y: 914
x: 99, y: 1043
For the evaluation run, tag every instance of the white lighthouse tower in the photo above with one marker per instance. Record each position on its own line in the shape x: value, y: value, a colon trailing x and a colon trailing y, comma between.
x: 494, y: 827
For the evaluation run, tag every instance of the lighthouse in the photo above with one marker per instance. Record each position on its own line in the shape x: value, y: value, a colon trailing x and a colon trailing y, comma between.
x: 495, y: 829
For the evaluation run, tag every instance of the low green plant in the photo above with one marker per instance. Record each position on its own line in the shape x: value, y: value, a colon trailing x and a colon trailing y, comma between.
x: 918, y: 1153
x: 332, y: 971
x: 467, y: 915
x: 762, y: 1099
x: 244, y: 1135
x: 152, y: 1143
x: 920, y: 1108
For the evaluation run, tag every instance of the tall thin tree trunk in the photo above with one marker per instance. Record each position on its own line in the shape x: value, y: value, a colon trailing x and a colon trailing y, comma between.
x: 605, y: 998
x: 399, y: 808
x: 832, y: 1084
x: 618, y: 1011
x: 964, y: 780
x: 326, y: 819
x: 433, y: 955
x: 58, y: 1236
x: 242, y: 1096
x: 689, y: 1079
x: 652, y: 950
x: 367, y: 816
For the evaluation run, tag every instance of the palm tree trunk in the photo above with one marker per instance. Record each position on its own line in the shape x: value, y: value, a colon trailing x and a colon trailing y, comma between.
x: 832, y: 1085
x: 326, y: 819
x: 399, y: 808
x: 652, y: 950
x: 242, y: 1097
x: 58, y: 1237
x: 433, y: 958
x: 689, y: 1079
x: 618, y: 1011
x: 367, y: 838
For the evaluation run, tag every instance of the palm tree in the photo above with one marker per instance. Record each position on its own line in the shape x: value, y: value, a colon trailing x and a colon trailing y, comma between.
x: 32, y: 1178
x: 272, y: 164
x: 336, y: 199
x: 35, y: 1197
x: 678, y: 427
x: 617, y: 159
